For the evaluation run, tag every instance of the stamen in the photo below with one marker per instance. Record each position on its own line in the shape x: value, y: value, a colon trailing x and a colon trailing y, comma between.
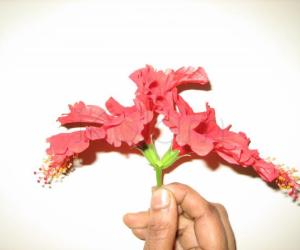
x: 54, y: 170
x: 287, y: 180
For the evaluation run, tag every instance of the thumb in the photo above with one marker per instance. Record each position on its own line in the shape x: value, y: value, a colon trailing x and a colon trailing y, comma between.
x: 162, y: 225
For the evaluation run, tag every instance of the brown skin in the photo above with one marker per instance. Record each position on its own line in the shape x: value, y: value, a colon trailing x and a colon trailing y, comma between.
x: 180, y: 219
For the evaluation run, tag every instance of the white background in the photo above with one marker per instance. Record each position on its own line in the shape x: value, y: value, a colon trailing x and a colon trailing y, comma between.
x: 53, y: 53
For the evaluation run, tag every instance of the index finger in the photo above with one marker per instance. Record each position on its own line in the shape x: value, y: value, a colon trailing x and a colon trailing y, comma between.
x: 191, y: 202
x: 208, y: 226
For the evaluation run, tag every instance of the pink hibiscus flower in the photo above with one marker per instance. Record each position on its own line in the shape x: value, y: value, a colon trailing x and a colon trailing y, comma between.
x: 125, y: 124
x: 201, y: 133
x: 156, y: 94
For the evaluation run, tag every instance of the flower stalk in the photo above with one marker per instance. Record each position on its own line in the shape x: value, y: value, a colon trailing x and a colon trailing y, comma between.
x: 159, y: 177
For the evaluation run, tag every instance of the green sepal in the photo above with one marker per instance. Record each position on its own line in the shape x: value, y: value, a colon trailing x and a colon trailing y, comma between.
x: 151, y: 155
x: 169, y: 158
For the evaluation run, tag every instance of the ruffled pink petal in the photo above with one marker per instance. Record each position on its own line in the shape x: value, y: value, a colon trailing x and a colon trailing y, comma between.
x: 184, y: 130
x: 266, y: 170
x: 130, y: 128
x: 171, y: 120
x: 232, y: 147
x: 58, y: 144
x: 185, y: 126
x: 145, y: 110
x: 114, y: 107
x: 227, y: 156
x: 78, y: 142
x: 81, y: 113
x: 67, y: 143
x: 183, y: 106
x: 200, y: 144
x: 129, y: 131
x: 249, y: 157
x: 159, y: 86
x: 186, y: 75
x: 182, y: 149
x: 95, y: 133
x: 147, y: 78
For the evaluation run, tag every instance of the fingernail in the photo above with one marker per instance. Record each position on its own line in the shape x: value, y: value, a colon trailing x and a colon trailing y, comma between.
x: 160, y: 199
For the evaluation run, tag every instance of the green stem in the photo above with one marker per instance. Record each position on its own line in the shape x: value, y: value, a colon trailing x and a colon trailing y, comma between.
x: 159, y: 176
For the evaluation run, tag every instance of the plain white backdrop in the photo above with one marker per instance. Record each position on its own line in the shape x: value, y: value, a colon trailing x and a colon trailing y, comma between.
x: 53, y: 53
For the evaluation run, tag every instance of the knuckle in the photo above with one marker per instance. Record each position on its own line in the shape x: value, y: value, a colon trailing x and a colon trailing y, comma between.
x: 176, y: 184
x: 221, y: 209
x: 210, y: 209
x: 158, y: 231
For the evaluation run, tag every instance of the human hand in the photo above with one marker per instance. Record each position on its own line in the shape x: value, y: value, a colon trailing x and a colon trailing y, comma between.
x: 179, y: 218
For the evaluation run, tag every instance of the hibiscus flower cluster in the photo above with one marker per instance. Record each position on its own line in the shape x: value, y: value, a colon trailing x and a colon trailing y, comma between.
x: 193, y: 132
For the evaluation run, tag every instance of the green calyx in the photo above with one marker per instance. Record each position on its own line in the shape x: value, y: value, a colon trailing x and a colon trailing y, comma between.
x: 159, y: 164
